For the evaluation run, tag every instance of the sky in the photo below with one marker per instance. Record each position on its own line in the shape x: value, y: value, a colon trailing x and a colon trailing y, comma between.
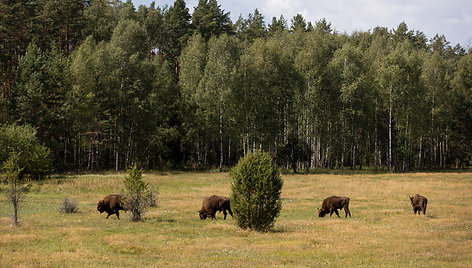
x: 451, y: 18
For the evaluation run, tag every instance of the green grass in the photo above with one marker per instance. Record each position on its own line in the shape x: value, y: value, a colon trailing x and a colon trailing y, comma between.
x: 383, y: 230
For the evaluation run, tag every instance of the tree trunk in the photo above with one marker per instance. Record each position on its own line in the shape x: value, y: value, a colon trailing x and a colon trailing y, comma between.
x: 375, y: 143
x: 389, y: 158
x: 221, y: 139
x: 15, y: 203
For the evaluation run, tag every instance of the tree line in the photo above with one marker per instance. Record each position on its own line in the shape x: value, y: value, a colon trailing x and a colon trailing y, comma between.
x: 107, y: 85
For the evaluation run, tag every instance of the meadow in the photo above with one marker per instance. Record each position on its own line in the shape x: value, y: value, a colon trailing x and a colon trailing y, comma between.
x: 383, y: 230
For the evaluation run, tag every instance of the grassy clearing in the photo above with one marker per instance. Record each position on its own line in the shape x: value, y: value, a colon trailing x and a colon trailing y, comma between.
x: 383, y: 230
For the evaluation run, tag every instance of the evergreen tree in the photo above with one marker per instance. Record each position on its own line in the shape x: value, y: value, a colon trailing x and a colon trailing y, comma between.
x: 100, y: 19
x: 298, y: 23
x: 252, y: 28
x: 41, y: 86
x: 177, y: 25
x: 278, y: 26
x: 256, y: 189
x: 153, y: 21
x: 14, y: 192
x: 210, y: 20
x: 135, y: 194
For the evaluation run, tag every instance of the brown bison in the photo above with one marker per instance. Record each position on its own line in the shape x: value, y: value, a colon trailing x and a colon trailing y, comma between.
x: 418, y: 203
x: 213, y: 204
x: 332, y: 204
x: 111, y: 204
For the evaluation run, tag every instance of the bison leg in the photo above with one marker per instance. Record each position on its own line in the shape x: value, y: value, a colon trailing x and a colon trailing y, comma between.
x: 230, y: 212
x: 337, y: 214
x: 117, y: 214
x: 346, y: 209
x: 424, y: 211
x: 224, y: 213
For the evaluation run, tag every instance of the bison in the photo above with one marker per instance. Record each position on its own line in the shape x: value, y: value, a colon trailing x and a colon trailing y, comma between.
x: 332, y: 204
x: 111, y: 204
x: 212, y: 204
x: 419, y: 203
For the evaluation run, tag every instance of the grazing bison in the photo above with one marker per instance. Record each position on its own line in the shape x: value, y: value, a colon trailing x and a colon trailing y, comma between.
x: 418, y: 203
x: 332, y: 204
x: 111, y: 204
x: 213, y: 204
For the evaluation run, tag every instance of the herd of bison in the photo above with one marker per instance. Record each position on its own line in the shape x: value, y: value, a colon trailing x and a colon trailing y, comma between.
x: 210, y: 205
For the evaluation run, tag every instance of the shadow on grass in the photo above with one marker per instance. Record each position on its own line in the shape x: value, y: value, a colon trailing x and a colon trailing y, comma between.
x: 280, y: 230
x: 160, y: 219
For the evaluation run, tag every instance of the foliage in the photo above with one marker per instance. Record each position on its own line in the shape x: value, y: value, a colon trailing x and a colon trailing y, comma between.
x: 293, y: 152
x: 136, y: 194
x: 210, y: 20
x: 14, y: 192
x: 33, y: 158
x: 106, y: 85
x: 68, y: 206
x: 256, y: 187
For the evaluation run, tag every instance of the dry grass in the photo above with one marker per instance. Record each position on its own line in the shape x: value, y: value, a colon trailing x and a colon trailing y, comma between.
x: 383, y: 230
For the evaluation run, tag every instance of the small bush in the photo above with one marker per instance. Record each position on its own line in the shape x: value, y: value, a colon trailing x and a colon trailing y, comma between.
x: 14, y: 191
x: 68, y: 206
x: 256, y: 189
x: 136, y: 195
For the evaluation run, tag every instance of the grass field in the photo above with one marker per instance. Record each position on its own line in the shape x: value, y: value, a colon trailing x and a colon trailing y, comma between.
x: 383, y: 230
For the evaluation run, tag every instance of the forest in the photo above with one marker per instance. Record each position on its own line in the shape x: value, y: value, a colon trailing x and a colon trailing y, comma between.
x: 105, y: 85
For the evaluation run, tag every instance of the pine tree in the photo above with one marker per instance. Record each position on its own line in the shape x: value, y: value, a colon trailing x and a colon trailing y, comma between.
x: 177, y: 25
x: 14, y: 192
x: 210, y: 20
x: 298, y: 23
x: 135, y: 194
x: 278, y: 26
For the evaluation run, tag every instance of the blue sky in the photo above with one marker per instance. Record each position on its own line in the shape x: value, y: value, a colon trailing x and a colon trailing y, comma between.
x: 452, y: 18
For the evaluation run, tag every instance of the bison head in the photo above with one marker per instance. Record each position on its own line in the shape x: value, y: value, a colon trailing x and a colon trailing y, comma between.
x: 100, y: 206
x: 321, y: 212
x: 202, y: 215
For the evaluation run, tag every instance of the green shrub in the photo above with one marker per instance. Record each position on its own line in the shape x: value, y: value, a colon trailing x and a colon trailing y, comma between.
x: 33, y: 157
x: 256, y: 189
x: 137, y: 195
x: 14, y: 191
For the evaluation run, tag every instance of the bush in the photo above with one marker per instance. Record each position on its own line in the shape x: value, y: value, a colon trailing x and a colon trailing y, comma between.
x: 68, y: 206
x: 33, y: 157
x: 256, y: 189
x: 136, y: 195
x: 14, y: 191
